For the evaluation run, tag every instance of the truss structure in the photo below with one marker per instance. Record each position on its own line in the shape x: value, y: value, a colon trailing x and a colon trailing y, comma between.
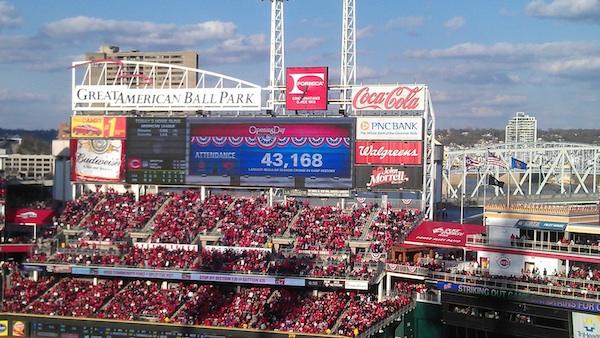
x: 148, y: 75
x: 348, y: 62
x: 556, y: 172
x: 276, y: 101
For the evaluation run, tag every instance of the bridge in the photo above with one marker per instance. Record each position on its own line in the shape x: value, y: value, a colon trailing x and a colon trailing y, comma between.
x: 553, y: 173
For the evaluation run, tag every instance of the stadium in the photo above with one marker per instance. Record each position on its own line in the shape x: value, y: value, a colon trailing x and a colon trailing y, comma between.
x: 189, y: 203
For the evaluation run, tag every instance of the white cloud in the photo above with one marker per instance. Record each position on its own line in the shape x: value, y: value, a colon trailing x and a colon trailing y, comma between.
x: 508, y: 51
x: 365, y: 32
x: 368, y: 73
x: 455, y: 23
x: 575, y: 10
x: 304, y: 43
x: 19, y: 96
x: 138, y: 33
x: 409, y: 24
x: 506, y: 100
x: 247, y: 49
x: 8, y: 17
x: 581, y: 67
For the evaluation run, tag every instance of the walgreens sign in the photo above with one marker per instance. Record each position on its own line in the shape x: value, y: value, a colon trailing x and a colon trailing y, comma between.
x: 389, y: 128
x: 389, y: 97
x: 306, y: 88
x: 381, y: 152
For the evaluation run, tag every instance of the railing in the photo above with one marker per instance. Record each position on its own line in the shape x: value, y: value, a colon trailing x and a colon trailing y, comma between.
x: 408, y: 269
x: 544, y: 209
x: 373, y: 329
x: 511, y: 285
x: 56, y: 266
x: 576, y: 249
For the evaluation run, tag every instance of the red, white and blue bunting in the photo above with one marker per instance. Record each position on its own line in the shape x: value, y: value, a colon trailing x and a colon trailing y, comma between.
x: 269, y: 142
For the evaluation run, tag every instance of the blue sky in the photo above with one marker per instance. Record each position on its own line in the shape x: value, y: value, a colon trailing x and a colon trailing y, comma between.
x: 483, y: 60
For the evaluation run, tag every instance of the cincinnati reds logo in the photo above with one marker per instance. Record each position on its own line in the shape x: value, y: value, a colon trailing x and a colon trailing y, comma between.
x: 302, y: 81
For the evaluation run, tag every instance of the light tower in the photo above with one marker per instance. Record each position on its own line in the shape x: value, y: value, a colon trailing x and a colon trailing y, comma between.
x: 348, y: 64
x: 277, y: 60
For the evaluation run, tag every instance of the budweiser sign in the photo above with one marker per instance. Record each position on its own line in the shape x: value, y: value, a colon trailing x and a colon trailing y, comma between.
x: 380, y: 152
x: 387, y: 97
x: 387, y: 176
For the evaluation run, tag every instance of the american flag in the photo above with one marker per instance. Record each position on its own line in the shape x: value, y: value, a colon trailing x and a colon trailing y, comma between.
x: 494, y: 159
x: 471, y: 162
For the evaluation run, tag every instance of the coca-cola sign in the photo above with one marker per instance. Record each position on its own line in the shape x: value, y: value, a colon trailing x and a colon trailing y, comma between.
x: 389, y: 128
x: 389, y: 97
x: 306, y: 88
x: 389, y: 177
x: 381, y: 152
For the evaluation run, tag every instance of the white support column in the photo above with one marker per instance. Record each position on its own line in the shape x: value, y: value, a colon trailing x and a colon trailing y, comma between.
x: 388, y: 284
x: 380, y: 291
x: 277, y: 59
x: 202, y: 193
x: 348, y: 62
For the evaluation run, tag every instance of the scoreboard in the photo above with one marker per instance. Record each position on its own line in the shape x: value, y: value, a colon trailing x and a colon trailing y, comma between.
x: 156, y: 152
x: 294, y: 153
x: 289, y: 149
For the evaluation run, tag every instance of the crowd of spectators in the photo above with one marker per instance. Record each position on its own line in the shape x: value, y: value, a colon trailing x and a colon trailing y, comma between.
x: 231, y: 260
x: 251, y: 222
x: 327, y: 228
x: 21, y: 290
x: 147, y: 300
x: 389, y: 226
x: 314, y: 314
x: 185, y: 216
x: 75, y: 297
x: 76, y: 210
x: 364, y: 310
x: 116, y: 214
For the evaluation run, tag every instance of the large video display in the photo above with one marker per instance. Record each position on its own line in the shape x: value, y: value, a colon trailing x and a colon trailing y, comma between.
x: 290, y: 153
x: 156, y: 150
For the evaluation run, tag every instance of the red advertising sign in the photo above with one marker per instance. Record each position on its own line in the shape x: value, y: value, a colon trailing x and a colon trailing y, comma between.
x: 29, y: 216
x: 389, y: 97
x: 306, y: 88
x: 98, y: 126
x: 382, y: 152
x: 443, y: 234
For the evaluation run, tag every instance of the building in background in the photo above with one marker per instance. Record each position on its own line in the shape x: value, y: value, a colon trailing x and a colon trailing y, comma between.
x: 27, y: 167
x: 177, y: 78
x: 521, y: 128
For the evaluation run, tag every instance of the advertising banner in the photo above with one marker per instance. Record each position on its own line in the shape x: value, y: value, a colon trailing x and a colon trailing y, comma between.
x: 306, y: 88
x: 389, y: 128
x: 585, y: 325
x: 389, y: 97
x: 97, y: 160
x: 382, y: 152
x: 167, y: 246
x: 119, y: 98
x: 386, y: 178
x: 443, y: 233
x: 98, y: 127
x: 242, y: 153
x: 29, y: 216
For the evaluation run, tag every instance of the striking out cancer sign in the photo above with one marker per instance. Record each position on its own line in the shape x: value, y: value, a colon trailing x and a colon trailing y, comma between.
x: 306, y: 88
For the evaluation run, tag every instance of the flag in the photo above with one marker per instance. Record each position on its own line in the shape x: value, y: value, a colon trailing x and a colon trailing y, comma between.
x: 494, y: 181
x: 517, y: 164
x: 494, y: 159
x: 471, y: 162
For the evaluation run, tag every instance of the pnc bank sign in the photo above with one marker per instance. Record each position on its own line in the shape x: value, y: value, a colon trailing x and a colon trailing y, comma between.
x: 389, y: 128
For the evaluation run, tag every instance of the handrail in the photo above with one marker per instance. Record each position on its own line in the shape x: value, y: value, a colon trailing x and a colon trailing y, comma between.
x: 387, y: 321
x: 539, y: 289
x: 577, y: 249
x: 168, y: 269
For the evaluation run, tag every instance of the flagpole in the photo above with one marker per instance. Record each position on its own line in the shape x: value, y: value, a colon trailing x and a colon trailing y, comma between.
x: 485, y: 182
x: 462, y: 195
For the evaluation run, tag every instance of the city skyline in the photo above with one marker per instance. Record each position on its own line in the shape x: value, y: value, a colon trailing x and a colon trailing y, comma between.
x: 483, y: 61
